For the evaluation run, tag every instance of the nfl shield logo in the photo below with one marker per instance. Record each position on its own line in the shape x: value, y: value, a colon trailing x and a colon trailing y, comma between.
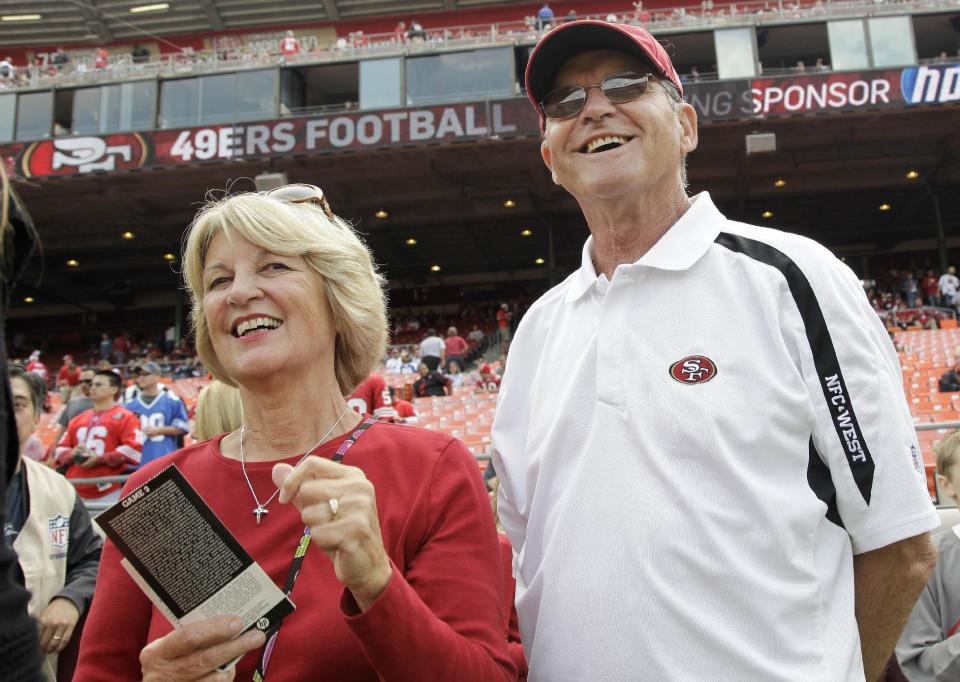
x: 59, y: 530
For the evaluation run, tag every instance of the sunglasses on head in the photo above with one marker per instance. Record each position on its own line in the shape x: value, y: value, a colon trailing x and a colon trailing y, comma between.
x: 618, y: 88
x: 298, y: 193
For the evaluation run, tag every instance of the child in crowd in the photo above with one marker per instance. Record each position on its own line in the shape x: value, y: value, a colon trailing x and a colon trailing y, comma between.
x: 929, y: 648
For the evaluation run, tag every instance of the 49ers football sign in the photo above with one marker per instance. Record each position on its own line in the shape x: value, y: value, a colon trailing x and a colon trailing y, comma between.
x: 264, y: 139
x: 72, y: 155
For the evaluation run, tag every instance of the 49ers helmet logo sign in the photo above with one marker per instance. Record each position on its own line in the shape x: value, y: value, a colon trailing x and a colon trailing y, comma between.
x: 694, y: 369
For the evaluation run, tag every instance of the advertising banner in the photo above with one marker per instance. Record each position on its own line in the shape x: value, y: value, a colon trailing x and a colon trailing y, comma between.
x: 293, y: 136
x: 802, y: 94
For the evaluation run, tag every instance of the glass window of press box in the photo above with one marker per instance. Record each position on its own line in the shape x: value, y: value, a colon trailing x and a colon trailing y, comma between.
x: 34, y: 115
x: 793, y: 48
x: 848, y: 45
x: 381, y: 83
x: 736, y: 50
x: 324, y: 87
x: 220, y: 98
x: 106, y: 109
x: 891, y: 41
x: 8, y: 109
x: 461, y: 76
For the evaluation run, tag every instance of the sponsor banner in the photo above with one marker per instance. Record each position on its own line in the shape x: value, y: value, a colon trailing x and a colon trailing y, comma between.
x: 800, y: 94
x: 930, y: 84
x: 819, y: 93
x: 720, y: 101
x: 319, y: 135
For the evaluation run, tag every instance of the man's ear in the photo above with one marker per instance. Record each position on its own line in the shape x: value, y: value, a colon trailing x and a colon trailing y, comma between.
x: 545, y: 155
x: 687, y: 116
x: 548, y: 161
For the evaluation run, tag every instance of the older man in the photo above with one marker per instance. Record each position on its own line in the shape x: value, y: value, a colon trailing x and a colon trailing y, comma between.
x: 724, y: 482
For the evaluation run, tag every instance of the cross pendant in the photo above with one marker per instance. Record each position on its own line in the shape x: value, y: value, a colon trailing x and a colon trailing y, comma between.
x: 260, y: 511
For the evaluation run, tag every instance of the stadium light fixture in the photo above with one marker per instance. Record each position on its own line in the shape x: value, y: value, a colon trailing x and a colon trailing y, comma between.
x: 539, y: 261
x: 28, y: 299
x: 73, y: 263
x: 767, y: 214
x: 156, y: 7
x: 169, y: 257
x: 21, y: 17
x: 381, y: 214
x: 509, y: 203
x: 526, y: 232
x: 779, y: 182
x: 435, y: 268
x: 411, y: 241
x: 912, y: 174
x: 884, y: 206
x: 128, y: 235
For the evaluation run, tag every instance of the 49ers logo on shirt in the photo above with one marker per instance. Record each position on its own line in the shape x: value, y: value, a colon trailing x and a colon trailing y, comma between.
x: 695, y: 369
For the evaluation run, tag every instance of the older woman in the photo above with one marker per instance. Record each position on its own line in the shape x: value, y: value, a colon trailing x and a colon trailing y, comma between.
x: 400, y: 580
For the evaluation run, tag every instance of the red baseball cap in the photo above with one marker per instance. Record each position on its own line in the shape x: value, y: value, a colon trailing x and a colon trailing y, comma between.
x: 569, y: 40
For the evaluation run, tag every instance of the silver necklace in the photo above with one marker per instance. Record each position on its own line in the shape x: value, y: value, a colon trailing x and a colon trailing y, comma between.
x: 261, y: 508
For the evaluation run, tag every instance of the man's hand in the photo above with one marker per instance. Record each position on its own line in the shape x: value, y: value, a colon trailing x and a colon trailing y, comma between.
x: 195, y: 651
x: 887, y: 582
x: 56, y: 624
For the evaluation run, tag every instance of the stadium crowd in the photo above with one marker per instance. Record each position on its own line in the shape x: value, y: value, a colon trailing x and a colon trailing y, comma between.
x: 231, y: 51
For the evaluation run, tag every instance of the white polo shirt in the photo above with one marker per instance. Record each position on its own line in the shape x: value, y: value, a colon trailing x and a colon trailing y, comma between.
x: 691, y: 453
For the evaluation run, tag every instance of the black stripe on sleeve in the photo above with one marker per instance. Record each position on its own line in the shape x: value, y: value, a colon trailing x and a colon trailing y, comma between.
x: 818, y: 476
x: 834, y: 387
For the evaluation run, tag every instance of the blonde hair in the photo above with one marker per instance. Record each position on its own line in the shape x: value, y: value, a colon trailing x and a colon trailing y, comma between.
x: 219, y: 410
x: 329, y: 246
x: 947, y: 452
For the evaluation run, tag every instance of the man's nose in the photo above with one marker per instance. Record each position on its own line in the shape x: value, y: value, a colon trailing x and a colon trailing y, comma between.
x: 597, y: 104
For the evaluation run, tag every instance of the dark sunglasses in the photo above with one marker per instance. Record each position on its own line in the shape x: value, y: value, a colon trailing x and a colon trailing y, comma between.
x: 298, y: 193
x: 619, y: 88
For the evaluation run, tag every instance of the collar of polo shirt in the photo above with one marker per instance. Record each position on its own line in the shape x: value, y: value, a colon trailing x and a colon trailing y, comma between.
x: 678, y: 249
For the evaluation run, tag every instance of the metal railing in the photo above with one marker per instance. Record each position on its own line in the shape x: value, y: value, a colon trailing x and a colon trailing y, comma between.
x: 514, y: 32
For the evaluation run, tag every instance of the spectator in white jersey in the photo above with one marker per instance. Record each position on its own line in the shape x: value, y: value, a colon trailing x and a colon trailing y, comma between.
x: 432, y: 350
x: 779, y: 399
x: 163, y: 416
x: 949, y: 284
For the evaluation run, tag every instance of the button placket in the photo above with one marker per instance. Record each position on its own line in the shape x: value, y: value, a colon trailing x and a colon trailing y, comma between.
x: 611, y: 337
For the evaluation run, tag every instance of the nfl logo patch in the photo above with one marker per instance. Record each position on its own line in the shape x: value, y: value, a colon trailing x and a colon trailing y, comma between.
x: 59, y: 531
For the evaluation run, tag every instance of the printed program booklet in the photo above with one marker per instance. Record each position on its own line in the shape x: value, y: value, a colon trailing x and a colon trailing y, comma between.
x: 185, y: 560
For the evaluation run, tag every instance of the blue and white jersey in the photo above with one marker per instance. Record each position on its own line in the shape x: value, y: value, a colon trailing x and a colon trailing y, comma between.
x: 166, y: 410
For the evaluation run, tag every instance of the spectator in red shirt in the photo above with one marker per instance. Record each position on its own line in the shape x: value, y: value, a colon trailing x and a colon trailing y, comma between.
x: 488, y: 381
x: 100, y: 61
x: 931, y: 289
x: 400, y: 32
x: 68, y: 379
x: 121, y: 349
x: 456, y: 347
x: 503, y: 326
x: 289, y: 46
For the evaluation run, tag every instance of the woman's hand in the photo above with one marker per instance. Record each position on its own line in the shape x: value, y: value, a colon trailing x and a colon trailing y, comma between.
x: 57, y: 621
x: 339, y: 505
x: 195, y: 651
